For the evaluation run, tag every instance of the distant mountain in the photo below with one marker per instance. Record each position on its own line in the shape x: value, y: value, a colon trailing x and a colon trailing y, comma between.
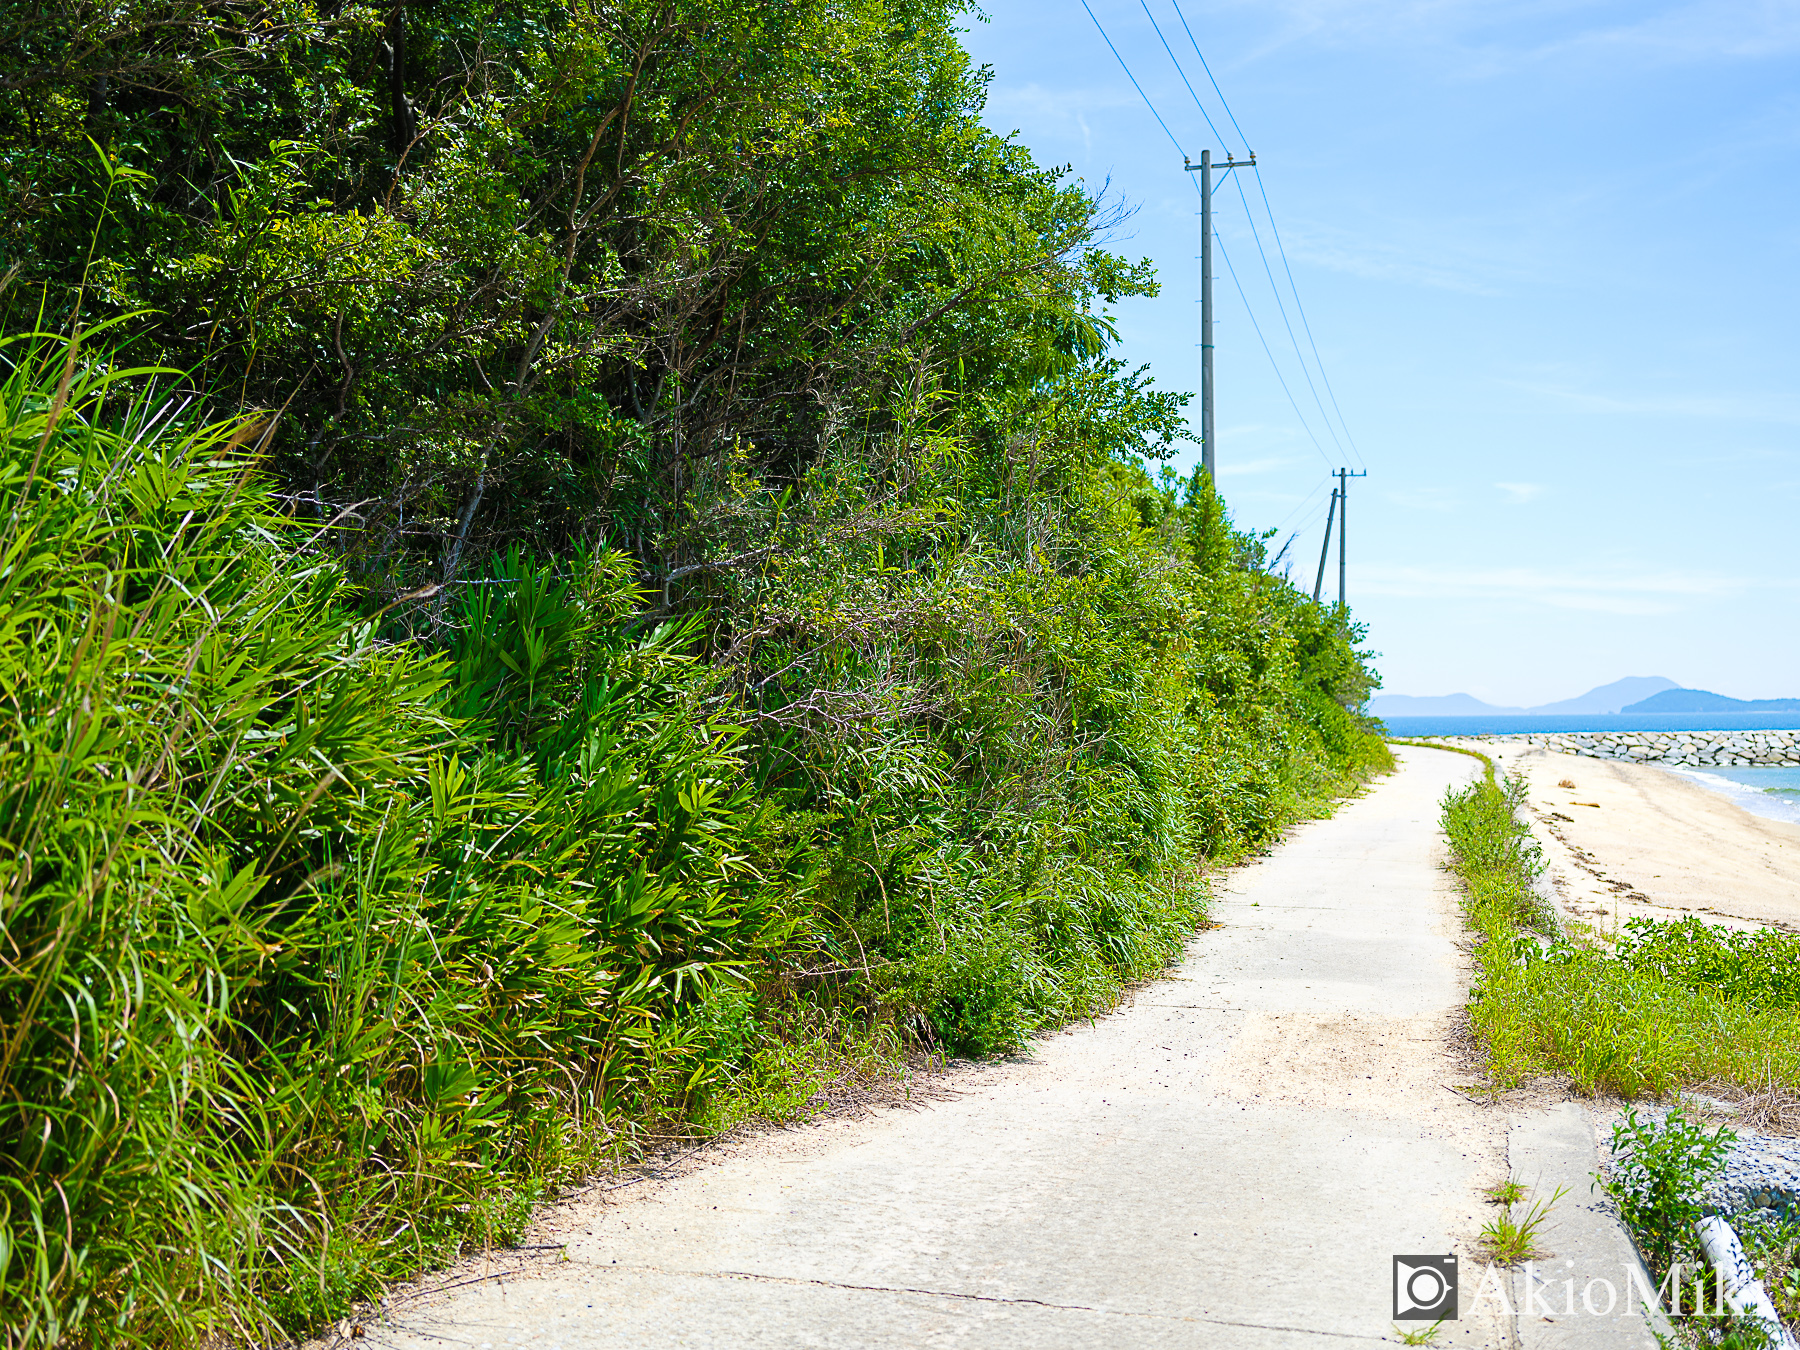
x: 1612, y: 698
x: 1438, y: 705
x: 1608, y: 698
x: 1704, y: 700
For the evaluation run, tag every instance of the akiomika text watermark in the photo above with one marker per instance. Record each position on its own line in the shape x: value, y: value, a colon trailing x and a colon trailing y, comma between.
x: 1426, y: 1289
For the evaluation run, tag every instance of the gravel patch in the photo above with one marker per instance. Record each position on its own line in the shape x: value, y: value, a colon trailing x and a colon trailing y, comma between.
x: 1762, y: 1173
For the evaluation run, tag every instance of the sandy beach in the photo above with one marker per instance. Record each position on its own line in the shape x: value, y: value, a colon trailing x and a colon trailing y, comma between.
x: 1626, y: 840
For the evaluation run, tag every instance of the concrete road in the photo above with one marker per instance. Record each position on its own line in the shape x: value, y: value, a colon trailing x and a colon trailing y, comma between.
x: 1231, y: 1160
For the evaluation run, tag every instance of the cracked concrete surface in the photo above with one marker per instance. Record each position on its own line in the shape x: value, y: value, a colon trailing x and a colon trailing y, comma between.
x: 1230, y: 1160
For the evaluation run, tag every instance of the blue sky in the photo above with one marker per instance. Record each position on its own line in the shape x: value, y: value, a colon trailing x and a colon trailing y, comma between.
x: 1547, y: 250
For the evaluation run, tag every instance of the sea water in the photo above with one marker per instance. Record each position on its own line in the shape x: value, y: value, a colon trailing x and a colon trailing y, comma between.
x: 1772, y: 791
x: 1513, y: 724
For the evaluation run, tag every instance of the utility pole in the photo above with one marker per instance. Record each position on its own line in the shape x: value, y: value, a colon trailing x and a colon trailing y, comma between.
x: 1343, y: 476
x: 1325, y: 548
x: 1204, y: 168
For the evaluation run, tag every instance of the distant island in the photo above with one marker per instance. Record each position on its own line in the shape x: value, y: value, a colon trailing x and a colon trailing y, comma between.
x: 1704, y: 700
x: 1608, y: 698
x: 1636, y: 694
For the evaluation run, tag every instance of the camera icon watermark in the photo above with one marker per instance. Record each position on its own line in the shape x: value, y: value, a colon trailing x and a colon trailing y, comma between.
x: 1424, y: 1288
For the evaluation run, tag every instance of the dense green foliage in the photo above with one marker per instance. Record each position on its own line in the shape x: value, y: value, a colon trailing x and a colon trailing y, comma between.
x: 1757, y: 965
x: 698, y: 627
x: 1668, y: 1005
x: 624, y: 270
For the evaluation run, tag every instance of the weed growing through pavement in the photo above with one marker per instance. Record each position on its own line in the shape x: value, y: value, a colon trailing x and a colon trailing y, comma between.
x: 1511, y: 1238
x: 1508, y: 1192
x: 1422, y: 1336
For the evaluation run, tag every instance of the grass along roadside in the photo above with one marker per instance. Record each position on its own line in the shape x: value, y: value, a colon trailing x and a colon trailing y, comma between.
x: 1658, y: 1007
x: 1643, y: 1013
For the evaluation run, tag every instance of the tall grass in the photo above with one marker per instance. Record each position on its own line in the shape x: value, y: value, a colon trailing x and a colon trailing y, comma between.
x: 316, y: 948
x: 1673, y: 1005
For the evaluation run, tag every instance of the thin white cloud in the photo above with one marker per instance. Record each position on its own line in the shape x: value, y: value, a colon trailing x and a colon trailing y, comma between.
x: 1045, y: 104
x: 1729, y: 30
x: 1628, y: 592
x: 1733, y: 407
x: 1288, y: 499
x: 1411, y: 263
x: 1491, y: 37
x: 1518, y: 494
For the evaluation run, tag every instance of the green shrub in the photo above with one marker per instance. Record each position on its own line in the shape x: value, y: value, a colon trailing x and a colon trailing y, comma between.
x: 335, y: 936
x: 1759, y: 966
x: 1659, y: 1171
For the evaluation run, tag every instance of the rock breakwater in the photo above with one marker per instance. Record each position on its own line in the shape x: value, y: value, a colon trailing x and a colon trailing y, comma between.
x: 1697, y: 748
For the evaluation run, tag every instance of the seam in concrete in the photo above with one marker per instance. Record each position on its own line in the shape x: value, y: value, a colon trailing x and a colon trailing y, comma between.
x: 986, y: 1298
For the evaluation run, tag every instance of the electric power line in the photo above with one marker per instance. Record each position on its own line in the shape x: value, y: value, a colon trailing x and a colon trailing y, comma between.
x: 1309, y: 505
x: 1178, y: 70
x: 1209, y: 75
x: 1305, y: 323
x: 1282, y: 307
x: 1134, y: 83
x: 1255, y: 234
x: 1238, y: 284
x: 1304, y: 526
x: 1311, y: 509
x: 1273, y: 363
x: 1274, y: 229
